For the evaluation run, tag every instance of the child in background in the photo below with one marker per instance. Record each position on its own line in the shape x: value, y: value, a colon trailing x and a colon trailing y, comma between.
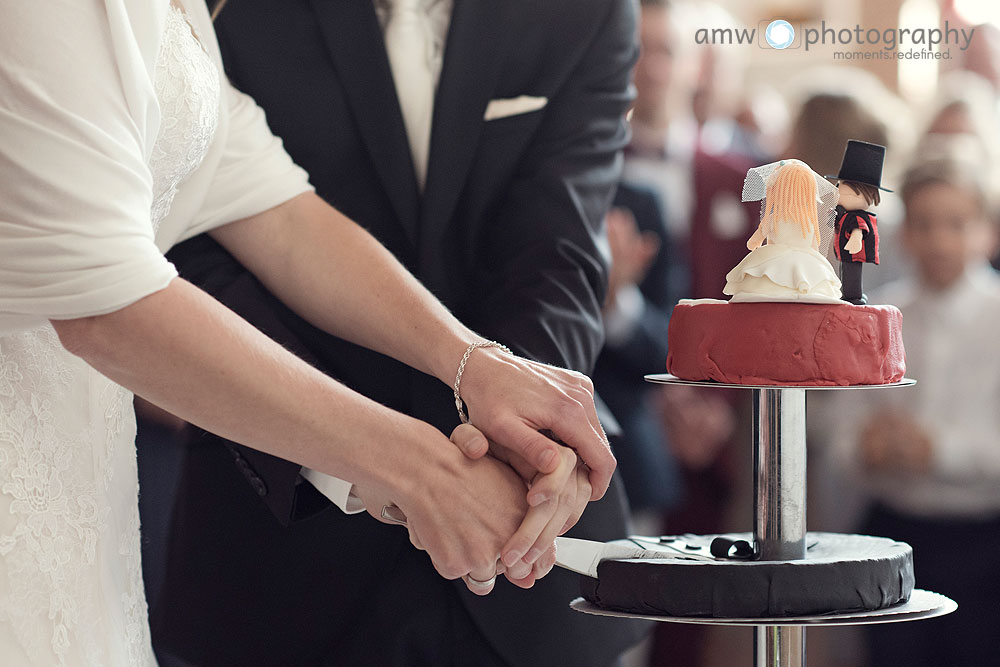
x: 929, y: 455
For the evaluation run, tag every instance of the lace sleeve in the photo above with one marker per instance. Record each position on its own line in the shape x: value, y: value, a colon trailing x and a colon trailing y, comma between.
x: 254, y: 173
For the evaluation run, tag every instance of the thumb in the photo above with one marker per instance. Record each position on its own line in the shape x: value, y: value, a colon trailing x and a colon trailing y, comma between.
x: 469, y: 439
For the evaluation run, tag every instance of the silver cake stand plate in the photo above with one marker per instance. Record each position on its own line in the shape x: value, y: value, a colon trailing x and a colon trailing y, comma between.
x: 667, y: 378
x: 922, y: 604
x: 779, y: 530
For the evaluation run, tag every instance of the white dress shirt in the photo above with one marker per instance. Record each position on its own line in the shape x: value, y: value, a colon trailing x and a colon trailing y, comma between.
x: 438, y: 12
x: 952, y: 350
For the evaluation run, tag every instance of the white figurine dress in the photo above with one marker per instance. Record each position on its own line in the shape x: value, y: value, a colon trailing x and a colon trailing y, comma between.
x: 786, y: 268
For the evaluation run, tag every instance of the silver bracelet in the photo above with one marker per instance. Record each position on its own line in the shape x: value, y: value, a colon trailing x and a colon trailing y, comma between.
x: 461, y: 369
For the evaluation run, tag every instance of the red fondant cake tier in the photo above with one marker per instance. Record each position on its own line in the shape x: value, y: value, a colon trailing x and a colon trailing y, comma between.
x: 795, y: 344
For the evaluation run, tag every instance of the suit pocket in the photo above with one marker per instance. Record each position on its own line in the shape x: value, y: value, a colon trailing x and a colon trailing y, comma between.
x: 501, y: 108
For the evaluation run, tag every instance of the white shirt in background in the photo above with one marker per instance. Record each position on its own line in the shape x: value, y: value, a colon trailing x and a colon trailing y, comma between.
x: 952, y: 342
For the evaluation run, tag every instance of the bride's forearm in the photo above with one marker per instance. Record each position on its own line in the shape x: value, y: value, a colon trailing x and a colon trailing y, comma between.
x: 187, y: 353
x: 338, y: 277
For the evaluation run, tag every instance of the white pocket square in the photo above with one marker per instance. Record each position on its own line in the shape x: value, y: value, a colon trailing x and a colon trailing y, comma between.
x: 501, y: 108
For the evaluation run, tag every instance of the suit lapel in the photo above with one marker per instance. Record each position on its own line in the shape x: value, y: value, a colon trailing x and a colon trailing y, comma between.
x: 469, y: 75
x: 354, y: 40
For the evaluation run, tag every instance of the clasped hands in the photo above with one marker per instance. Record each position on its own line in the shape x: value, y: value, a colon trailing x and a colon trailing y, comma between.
x: 518, y: 478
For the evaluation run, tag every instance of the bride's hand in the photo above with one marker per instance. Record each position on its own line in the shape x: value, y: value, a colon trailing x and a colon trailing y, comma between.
x: 530, y: 553
x: 513, y: 400
x: 462, y: 513
x: 538, y: 527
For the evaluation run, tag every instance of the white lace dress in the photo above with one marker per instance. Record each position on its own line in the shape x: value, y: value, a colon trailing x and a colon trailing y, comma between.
x: 70, y: 578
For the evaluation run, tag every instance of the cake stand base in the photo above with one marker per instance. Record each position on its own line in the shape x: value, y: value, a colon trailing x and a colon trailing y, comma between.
x: 779, y: 531
x: 922, y: 604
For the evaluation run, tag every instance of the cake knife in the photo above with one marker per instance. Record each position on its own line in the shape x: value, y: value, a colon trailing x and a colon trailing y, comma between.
x: 583, y: 556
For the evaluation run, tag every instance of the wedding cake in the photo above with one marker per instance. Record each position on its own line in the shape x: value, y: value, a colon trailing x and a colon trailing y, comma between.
x: 786, y: 324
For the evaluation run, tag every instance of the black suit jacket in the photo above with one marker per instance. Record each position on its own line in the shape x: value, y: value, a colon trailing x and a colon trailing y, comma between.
x: 506, y: 234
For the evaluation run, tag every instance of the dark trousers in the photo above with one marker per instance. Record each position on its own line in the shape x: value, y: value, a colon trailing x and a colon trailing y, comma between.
x: 956, y: 558
x: 850, y: 278
x: 159, y: 456
x: 397, y: 627
x: 401, y: 614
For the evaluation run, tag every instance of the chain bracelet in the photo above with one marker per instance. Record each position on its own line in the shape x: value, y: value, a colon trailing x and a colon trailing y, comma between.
x: 461, y: 369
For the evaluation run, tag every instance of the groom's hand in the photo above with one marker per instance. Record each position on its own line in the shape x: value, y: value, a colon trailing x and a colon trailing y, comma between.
x: 515, y: 401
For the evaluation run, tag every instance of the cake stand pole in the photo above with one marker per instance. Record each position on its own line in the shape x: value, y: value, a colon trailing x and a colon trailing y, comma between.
x: 779, y: 525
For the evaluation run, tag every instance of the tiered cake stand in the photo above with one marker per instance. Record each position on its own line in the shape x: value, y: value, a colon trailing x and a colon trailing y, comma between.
x: 779, y: 530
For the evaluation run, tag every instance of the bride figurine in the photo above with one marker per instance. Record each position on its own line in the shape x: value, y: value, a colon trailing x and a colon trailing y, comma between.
x: 785, y: 261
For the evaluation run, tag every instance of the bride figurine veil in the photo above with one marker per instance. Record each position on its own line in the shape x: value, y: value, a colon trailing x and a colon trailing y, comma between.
x: 784, y: 190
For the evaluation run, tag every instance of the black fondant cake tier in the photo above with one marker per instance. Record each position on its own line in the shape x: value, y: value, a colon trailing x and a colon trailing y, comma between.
x: 841, y: 573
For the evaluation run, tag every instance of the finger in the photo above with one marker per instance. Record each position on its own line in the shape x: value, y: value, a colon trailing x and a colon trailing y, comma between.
x: 583, y: 492
x: 470, y: 440
x: 545, y: 563
x: 541, y: 452
x: 566, y: 506
x: 535, y: 521
x: 445, y: 571
x: 521, y: 466
x: 547, y: 487
x: 576, y: 424
x: 518, y: 571
x: 524, y: 582
x: 538, y: 516
x: 591, y: 444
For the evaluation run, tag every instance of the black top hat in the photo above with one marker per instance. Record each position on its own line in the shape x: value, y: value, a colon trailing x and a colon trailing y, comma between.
x: 862, y: 163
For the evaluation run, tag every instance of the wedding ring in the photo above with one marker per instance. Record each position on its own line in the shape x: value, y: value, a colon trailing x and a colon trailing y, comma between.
x: 481, y: 584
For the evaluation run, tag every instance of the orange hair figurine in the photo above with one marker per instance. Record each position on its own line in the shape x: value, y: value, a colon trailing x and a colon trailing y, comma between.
x: 785, y: 263
x: 791, y: 196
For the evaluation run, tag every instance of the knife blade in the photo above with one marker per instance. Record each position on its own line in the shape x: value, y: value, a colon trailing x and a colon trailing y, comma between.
x: 676, y: 545
x: 583, y: 556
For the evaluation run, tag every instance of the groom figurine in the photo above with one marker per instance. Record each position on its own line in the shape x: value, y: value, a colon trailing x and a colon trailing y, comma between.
x: 482, y: 148
x: 856, y: 232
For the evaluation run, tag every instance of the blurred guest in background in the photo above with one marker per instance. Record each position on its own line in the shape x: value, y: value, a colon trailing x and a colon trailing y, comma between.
x: 664, y: 128
x: 982, y: 57
x: 966, y: 107
x: 636, y: 314
x: 687, y: 147
x: 928, y: 455
x: 823, y: 125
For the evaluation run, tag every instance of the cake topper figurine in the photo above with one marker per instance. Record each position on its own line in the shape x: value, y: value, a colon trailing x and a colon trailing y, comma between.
x: 859, y: 181
x: 796, y: 221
